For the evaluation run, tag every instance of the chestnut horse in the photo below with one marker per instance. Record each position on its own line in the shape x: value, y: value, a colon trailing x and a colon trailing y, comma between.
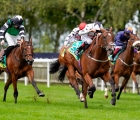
x: 136, y: 71
x: 19, y: 64
x: 96, y: 56
x: 124, y: 64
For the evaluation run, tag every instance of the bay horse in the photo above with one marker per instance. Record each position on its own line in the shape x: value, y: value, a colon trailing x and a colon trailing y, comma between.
x: 136, y: 70
x: 19, y: 64
x: 96, y: 56
x: 124, y: 64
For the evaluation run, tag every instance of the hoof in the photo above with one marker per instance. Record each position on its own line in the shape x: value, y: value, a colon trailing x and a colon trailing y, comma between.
x: 113, y: 103
x: 118, y: 98
x: 106, y: 96
x: 90, y: 93
x: 41, y: 95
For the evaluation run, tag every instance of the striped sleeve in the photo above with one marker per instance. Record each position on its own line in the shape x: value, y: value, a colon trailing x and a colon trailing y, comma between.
x: 4, y: 29
x: 22, y: 31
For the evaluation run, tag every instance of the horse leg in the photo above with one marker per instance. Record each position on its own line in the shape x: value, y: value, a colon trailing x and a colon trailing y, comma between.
x: 84, y: 93
x: 122, y: 87
x: 136, y: 83
x: 107, y: 78
x: 116, y: 79
x: 8, y: 83
x: 91, y: 88
x: 125, y: 88
x: 14, y: 81
x: 106, y: 91
x: 30, y: 75
x: 74, y: 84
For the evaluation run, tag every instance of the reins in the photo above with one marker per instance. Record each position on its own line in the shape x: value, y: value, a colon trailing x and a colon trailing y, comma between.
x: 97, y: 60
x: 15, y: 55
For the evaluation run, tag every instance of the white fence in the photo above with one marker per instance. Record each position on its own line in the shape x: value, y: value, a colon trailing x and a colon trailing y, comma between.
x: 47, y: 61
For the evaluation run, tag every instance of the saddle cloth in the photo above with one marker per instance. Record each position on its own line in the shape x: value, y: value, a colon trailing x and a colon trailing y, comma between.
x: 116, y: 56
x: 3, y: 63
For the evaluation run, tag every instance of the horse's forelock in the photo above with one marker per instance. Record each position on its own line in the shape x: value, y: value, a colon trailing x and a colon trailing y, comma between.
x: 102, y: 30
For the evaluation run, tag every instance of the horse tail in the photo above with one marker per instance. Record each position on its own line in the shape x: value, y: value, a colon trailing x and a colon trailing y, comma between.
x: 54, y: 67
x: 62, y: 73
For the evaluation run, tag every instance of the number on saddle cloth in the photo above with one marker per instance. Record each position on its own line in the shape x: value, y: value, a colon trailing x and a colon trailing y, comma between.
x: 74, y: 47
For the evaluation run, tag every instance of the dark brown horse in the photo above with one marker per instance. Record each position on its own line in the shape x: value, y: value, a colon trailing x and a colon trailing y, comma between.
x: 94, y: 63
x: 124, y: 64
x: 136, y: 70
x: 19, y: 64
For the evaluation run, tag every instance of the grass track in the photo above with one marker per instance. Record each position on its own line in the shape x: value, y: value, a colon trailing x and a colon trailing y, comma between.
x: 61, y: 103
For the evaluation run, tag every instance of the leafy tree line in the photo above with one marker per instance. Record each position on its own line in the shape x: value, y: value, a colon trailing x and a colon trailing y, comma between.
x: 49, y: 21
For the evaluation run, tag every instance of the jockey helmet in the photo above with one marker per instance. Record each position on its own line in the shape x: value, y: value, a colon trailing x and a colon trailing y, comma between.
x: 17, y: 20
x: 82, y: 25
x: 98, y: 23
x: 128, y: 30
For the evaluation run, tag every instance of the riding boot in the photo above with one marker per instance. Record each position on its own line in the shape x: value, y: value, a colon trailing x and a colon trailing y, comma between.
x: 114, y: 54
x: 83, y: 47
x: 7, y: 52
x: 79, y: 49
x: 112, y: 58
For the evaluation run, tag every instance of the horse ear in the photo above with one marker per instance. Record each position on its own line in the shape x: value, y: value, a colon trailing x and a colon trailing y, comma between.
x: 31, y: 40
x: 111, y: 29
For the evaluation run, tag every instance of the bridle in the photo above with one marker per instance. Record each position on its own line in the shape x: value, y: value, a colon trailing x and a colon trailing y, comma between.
x: 25, y: 54
x: 26, y: 51
x: 104, y: 46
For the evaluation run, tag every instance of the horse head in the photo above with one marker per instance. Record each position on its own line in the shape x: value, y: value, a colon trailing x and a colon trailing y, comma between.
x: 107, y: 40
x: 134, y: 41
x: 27, y: 51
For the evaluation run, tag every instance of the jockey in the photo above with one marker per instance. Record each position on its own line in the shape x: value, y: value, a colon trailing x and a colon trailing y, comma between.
x: 12, y: 30
x: 87, y: 32
x: 73, y: 36
x: 121, y: 40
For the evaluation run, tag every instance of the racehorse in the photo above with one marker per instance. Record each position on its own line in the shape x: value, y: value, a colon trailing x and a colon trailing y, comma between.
x: 96, y: 56
x: 19, y: 64
x: 124, y: 64
x: 136, y: 71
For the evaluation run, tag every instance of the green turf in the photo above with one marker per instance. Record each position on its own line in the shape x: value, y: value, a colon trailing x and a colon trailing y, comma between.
x: 61, y: 103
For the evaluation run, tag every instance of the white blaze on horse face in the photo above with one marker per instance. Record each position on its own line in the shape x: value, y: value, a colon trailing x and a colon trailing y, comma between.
x: 28, y: 46
x: 135, y: 43
x: 109, y: 34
